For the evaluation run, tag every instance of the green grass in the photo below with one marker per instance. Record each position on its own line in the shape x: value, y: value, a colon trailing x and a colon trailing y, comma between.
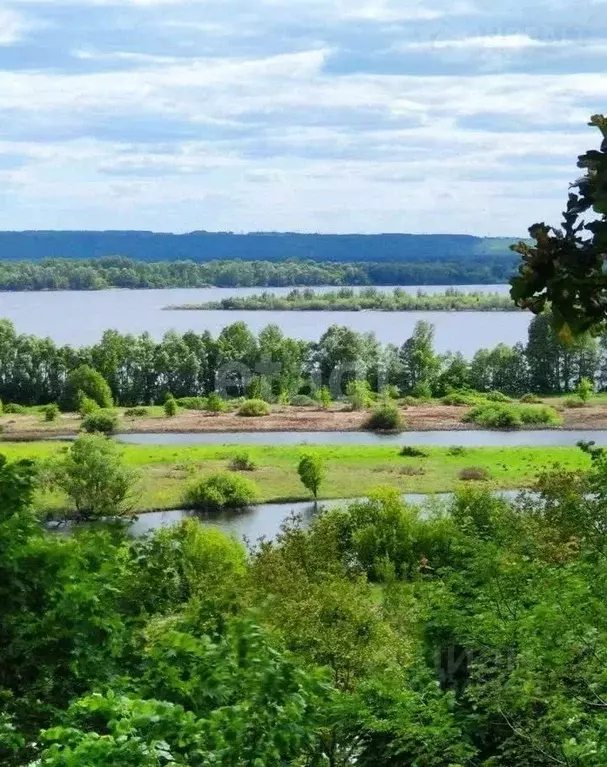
x: 351, y: 470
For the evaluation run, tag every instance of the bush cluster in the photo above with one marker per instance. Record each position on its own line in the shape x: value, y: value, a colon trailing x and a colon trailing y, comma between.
x: 254, y: 408
x: 222, y: 490
x: 500, y: 416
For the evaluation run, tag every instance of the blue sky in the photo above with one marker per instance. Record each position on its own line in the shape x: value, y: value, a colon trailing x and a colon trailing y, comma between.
x: 304, y: 115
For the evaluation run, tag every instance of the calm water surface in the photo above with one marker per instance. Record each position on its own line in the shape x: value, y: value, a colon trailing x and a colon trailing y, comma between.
x: 265, y: 520
x: 547, y: 438
x: 79, y: 318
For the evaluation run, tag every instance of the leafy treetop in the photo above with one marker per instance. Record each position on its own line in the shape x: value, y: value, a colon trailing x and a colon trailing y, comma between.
x: 564, y: 268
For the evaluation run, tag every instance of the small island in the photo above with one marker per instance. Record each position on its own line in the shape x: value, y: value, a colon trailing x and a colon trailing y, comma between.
x: 366, y: 299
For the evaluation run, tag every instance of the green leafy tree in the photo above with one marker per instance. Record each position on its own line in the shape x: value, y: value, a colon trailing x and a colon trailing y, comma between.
x: 312, y: 472
x: 94, y: 477
x: 564, y: 269
x: 420, y: 364
x: 91, y: 383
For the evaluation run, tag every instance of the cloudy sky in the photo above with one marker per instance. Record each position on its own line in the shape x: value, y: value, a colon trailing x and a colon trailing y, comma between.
x: 302, y: 115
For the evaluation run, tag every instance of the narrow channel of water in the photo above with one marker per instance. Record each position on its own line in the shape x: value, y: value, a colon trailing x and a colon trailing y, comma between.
x: 544, y: 438
x: 266, y: 520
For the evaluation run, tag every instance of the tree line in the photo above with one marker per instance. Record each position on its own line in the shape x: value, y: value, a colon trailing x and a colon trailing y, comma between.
x: 141, y: 370
x: 472, y: 636
x: 366, y: 299
x: 119, y: 272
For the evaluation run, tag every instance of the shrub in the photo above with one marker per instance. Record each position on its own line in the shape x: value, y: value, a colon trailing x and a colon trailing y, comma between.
x: 422, y: 390
x: 531, y: 399
x: 302, y: 400
x: 456, y: 451
x: 359, y: 395
x: 499, y: 416
x: 496, y: 396
x: 242, y: 462
x: 409, y: 451
x: 391, y: 392
x: 386, y: 417
x: 136, y: 412
x: 90, y: 382
x: 170, y: 407
x: 574, y: 402
x: 539, y: 415
x: 12, y: 409
x: 324, y: 397
x: 410, y: 401
x: 460, y: 399
x: 215, y: 404
x: 222, y: 490
x: 104, y: 421
x: 51, y: 412
x: 192, y: 403
x: 585, y: 389
x: 86, y: 405
x: 474, y: 474
x: 254, y: 408
x: 1, y: 407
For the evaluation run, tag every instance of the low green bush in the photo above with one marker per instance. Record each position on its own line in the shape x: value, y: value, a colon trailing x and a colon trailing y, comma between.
x: 192, y: 403
x: 254, y: 408
x: 170, y: 407
x: 574, y: 402
x: 386, y: 418
x: 409, y: 451
x: 497, y: 396
x: 461, y: 399
x: 531, y: 399
x: 501, y: 416
x: 12, y: 409
x: 51, y: 412
x: 103, y: 421
x: 302, y: 400
x: 456, y: 451
x: 215, y: 404
x: 242, y: 462
x: 474, y: 474
x: 86, y: 405
x: 222, y: 490
x: 136, y: 412
x: 410, y: 401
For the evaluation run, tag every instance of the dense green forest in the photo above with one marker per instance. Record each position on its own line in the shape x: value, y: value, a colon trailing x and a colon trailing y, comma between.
x: 256, y: 246
x: 367, y: 299
x: 472, y: 637
x: 120, y: 272
x: 141, y: 370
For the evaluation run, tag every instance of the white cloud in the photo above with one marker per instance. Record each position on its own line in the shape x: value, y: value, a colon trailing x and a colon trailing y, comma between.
x: 12, y: 26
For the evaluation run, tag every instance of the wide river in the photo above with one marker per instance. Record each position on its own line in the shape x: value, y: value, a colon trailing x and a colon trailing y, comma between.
x: 78, y: 318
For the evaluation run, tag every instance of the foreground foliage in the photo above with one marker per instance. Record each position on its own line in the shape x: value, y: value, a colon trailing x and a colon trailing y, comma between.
x: 473, y: 636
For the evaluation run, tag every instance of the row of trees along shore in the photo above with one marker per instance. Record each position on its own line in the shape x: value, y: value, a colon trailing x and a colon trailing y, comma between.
x: 141, y: 370
x: 119, y: 272
x: 366, y: 299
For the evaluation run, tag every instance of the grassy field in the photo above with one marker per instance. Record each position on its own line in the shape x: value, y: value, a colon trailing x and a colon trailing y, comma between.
x: 351, y: 470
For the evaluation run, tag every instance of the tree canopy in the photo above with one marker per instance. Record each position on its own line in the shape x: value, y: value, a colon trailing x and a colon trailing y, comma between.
x: 564, y: 268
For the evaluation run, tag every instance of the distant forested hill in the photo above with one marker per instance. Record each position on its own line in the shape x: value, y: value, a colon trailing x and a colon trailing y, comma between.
x: 259, y: 246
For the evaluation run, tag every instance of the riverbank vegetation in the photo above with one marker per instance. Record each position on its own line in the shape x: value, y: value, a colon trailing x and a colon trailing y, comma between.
x: 140, y: 371
x: 366, y: 299
x: 378, y: 635
x: 125, y: 273
x: 166, y: 471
